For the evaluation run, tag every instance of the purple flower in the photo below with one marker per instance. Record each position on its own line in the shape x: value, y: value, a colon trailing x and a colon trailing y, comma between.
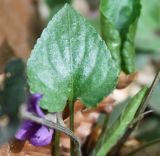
x: 37, y: 134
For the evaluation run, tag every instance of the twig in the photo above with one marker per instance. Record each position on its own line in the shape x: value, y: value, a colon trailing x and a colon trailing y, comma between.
x: 141, y: 116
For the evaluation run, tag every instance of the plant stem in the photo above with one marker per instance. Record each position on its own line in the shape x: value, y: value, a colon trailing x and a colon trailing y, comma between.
x: 71, y: 109
x: 143, y: 147
x: 56, y: 145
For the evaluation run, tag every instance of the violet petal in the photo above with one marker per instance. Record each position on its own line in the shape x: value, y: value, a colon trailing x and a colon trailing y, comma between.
x: 33, y: 105
x: 42, y: 137
x: 26, y: 130
x: 37, y: 134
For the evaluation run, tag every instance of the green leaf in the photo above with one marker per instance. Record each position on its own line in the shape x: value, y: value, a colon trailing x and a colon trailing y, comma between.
x: 116, y: 131
x: 116, y: 113
x: 128, y: 50
x: 148, y: 32
x: 108, y: 28
x: 118, y: 25
x: 71, y: 61
x: 11, y: 97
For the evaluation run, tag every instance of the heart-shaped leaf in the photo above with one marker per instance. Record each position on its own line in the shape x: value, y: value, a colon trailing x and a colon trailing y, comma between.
x: 71, y: 61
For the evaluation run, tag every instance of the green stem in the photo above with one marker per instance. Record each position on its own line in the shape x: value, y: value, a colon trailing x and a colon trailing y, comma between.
x: 143, y: 147
x: 71, y: 109
x: 56, y: 144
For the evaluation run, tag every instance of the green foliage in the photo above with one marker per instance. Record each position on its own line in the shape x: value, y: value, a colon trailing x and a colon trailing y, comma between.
x: 117, y: 130
x: 71, y: 61
x: 11, y: 97
x: 116, y: 113
x: 118, y: 26
x: 148, y: 32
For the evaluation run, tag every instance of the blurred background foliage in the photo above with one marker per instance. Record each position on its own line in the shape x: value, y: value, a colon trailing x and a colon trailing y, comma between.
x: 148, y: 33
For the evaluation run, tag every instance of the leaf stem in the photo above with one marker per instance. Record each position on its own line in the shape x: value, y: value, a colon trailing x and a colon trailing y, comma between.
x: 71, y: 109
x: 56, y: 145
x: 143, y: 147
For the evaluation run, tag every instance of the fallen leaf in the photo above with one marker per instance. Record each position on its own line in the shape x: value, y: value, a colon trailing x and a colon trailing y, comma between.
x: 17, y: 19
x: 6, y: 53
x: 124, y: 80
x: 19, y: 148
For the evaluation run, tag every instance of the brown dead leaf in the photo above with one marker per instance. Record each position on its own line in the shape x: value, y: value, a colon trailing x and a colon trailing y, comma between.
x: 18, y: 20
x: 125, y: 80
x: 19, y: 148
x: 132, y: 142
x: 152, y: 150
x: 92, y: 139
x: 2, y: 78
x: 6, y: 53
